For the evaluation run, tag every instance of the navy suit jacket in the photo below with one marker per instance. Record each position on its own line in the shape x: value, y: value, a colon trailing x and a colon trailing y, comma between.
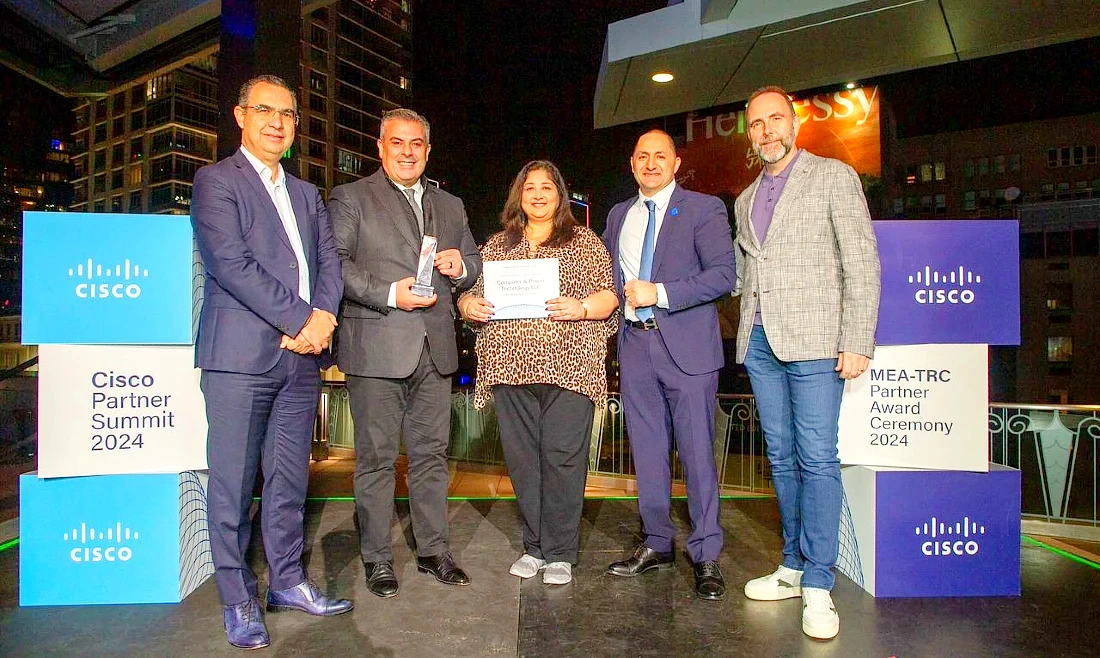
x: 694, y: 260
x: 250, y: 299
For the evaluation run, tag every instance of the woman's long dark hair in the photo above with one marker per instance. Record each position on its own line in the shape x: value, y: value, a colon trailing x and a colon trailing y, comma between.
x: 514, y: 220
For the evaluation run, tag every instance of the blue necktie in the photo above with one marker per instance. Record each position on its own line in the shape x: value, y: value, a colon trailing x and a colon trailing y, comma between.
x: 645, y: 266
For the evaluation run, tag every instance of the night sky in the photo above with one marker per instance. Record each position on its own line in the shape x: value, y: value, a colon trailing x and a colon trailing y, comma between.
x: 507, y: 82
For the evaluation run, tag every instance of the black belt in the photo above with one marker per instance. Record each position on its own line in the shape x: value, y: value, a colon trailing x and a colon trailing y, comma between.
x: 644, y: 326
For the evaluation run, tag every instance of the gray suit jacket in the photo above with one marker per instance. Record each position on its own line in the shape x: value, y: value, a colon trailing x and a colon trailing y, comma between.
x: 378, y: 243
x: 817, y: 274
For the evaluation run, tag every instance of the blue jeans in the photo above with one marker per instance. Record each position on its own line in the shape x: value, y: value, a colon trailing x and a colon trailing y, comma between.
x: 799, y: 406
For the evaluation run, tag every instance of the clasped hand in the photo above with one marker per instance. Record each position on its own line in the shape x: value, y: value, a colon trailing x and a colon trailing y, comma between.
x: 314, y: 337
x: 640, y: 294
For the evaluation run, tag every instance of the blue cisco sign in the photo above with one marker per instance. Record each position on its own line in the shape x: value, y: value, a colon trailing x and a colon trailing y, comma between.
x: 100, y: 539
x: 949, y: 281
x: 948, y: 533
x: 106, y: 278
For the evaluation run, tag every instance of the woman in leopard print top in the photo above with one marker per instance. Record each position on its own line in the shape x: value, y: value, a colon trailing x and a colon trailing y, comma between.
x: 546, y: 375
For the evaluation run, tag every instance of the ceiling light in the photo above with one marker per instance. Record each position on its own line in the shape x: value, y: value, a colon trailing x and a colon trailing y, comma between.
x: 851, y: 85
x: 663, y: 77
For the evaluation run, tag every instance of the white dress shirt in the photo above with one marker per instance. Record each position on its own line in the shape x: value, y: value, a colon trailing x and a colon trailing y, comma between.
x: 632, y: 236
x: 418, y: 194
x: 281, y: 198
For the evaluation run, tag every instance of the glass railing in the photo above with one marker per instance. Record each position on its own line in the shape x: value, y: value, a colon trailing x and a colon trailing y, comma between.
x: 1054, y: 447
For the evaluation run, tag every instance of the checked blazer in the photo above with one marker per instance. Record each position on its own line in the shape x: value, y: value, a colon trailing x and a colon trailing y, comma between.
x: 816, y: 276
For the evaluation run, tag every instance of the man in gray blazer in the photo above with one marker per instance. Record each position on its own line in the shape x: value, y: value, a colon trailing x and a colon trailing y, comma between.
x: 398, y: 349
x: 808, y: 276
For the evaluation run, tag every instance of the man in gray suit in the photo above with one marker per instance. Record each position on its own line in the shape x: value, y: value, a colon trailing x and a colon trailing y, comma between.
x: 808, y: 276
x: 398, y: 349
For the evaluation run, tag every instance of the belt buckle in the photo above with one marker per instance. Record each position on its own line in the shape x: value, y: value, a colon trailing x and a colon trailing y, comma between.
x: 648, y: 324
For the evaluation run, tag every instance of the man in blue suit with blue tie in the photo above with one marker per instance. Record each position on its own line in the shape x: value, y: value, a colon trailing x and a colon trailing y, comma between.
x: 273, y: 286
x: 672, y: 256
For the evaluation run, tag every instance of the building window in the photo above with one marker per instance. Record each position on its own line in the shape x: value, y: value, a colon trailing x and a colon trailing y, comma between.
x: 116, y: 203
x: 983, y: 167
x: 1090, y: 154
x: 100, y: 132
x: 99, y: 184
x: 999, y: 164
x: 1052, y: 158
x: 137, y: 120
x: 940, y: 170
x: 404, y: 82
x: 116, y: 154
x: 941, y: 203
x: 317, y: 82
x: 970, y: 200
x: 116, y: 179
x: 137, y: 149
x: 968, y: 170
x: 1059, y: 349
x: 926, y: 204
x: 99, y: 206
x: 137, y: 95
x: 1059, y: 296
x: 1014, y: 162
x: 118, y: 126
x: 135, y: 175
x: 926, y: 172
x: 1047, y: 191
x: 899, y: 207
x: 135, y: 201
x: 316, y: 149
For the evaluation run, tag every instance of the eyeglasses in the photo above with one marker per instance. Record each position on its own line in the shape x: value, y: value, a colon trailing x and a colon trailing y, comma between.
x: 266, y: 112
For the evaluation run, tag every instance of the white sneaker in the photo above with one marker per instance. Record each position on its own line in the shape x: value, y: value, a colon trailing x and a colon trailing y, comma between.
x: 527, y: 566
x: 557, y: 573
x: 783, y: 584
x: 819, y: 617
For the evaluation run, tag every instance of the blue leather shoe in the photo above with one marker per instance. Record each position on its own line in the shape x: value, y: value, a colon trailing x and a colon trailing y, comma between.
x: 244, y: 624
x: 307, y: 598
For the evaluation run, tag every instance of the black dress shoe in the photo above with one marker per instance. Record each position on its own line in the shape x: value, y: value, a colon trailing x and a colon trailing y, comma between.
x: 381, y: 581
x: 644, y: 559
x: 444, y: 569
x: 709, y: 584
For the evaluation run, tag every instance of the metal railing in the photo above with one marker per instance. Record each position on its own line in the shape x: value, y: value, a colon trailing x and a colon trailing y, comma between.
x: 1053, y: 446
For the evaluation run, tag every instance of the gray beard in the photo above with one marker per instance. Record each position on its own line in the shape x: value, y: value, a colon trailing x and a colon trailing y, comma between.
x: 772, y: 160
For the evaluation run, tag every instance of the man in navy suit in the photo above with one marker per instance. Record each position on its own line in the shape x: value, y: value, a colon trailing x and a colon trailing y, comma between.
x: 273, y: 286
x: 672, y: 256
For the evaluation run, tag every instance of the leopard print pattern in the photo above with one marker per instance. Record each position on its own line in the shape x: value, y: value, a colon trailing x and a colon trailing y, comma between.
x: 543, y: 351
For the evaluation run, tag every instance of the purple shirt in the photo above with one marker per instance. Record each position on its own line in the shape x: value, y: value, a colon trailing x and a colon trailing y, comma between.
x: 763, y: 207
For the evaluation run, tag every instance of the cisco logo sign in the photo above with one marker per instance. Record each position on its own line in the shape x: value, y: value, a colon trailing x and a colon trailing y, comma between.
x: 101, y: 546
x: 952, y: 287
x: 950, y: 539
x: 105, y: 282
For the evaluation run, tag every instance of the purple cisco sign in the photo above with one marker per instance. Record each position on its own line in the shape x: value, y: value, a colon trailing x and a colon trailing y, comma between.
x: 949, y: 281
x: 948, y: 533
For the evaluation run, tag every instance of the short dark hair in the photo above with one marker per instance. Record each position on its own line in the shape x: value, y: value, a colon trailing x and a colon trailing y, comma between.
x: 246, y: 88
x: 514, y: 220
x: 404, y: 114
x: 772, y: 89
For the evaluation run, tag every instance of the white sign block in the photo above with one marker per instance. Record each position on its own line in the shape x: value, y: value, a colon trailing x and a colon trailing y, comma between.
x: 113, y: 409
x: 919, y: 406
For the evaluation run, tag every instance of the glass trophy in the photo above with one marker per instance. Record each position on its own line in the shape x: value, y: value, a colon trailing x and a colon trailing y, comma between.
x: 424, y: 268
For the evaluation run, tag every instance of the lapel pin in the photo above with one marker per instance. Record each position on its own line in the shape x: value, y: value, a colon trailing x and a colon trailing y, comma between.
x: 674, y: 212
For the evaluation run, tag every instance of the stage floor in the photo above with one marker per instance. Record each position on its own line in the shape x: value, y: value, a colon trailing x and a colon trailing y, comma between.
x: 596, y: 616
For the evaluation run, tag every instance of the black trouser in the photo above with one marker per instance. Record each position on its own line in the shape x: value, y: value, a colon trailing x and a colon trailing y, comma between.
x: 545, y: 431
x: 419, y: 407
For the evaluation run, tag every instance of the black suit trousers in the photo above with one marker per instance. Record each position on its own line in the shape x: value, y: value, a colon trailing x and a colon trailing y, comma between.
x: 417, y: 407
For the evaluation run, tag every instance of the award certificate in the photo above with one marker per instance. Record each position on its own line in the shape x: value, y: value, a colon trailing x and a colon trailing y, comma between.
x: 520, y: 288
